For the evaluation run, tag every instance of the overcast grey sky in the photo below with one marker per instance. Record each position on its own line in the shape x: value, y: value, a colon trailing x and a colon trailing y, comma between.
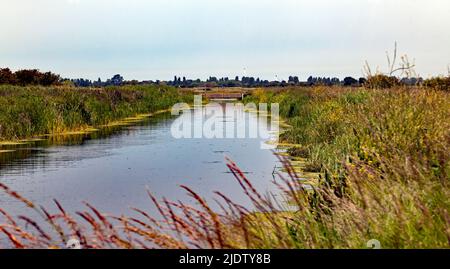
x: 196, y: 38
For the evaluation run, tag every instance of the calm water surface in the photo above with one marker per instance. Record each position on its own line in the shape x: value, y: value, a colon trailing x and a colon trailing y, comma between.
x: 111, y: 168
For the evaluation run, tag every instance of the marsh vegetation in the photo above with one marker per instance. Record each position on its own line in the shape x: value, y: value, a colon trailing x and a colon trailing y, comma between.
x: 376, y: 162
x: 27, y: 111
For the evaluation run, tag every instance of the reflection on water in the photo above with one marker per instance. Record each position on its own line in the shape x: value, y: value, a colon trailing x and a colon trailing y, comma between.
x: 111, y: 168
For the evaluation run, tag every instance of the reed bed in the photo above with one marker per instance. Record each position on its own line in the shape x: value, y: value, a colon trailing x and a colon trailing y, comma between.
x: 35, y: 110
x: 384, y: 174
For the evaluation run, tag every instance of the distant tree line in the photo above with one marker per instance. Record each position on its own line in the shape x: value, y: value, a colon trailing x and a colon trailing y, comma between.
x: 249, y: 82
x: 257, y: 82
x: 213, y: 82
x: 35, y: 77
x: 116, y: 80
x: 28, y: 77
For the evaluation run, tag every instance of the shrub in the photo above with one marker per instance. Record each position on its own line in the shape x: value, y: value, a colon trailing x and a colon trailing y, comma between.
x: 48, y: 78
x: 438, y: 83
x: 349, y: 81
x: 381, y: 82
x: 28, y: 77
x: 6, y: 76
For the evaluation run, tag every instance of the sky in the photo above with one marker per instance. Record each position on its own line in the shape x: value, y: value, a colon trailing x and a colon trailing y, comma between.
x: 157, y: 39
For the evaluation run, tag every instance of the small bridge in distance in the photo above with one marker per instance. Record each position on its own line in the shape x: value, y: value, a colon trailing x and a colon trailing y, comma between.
x: 225, y: 96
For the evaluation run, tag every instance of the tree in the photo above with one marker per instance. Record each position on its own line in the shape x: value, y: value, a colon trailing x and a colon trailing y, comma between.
x: 117, y: 80
x: 97, y: 83
x: 48, y: 79
x: 212, y: 79
x: 349, y: 81
x: 293, y: 79
x: 83, y: 82
x: 28, y: 77
x: 6, y: 76
x: 335, y: 81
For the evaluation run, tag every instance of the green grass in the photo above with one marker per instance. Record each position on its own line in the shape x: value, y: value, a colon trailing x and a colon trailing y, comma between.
x: 384, y: 155
x: 35, y: 110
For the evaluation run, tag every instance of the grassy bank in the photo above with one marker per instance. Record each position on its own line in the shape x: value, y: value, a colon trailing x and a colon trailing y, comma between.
x: 384, y: 155
x: 384, y: 165
x: 34, y: 110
